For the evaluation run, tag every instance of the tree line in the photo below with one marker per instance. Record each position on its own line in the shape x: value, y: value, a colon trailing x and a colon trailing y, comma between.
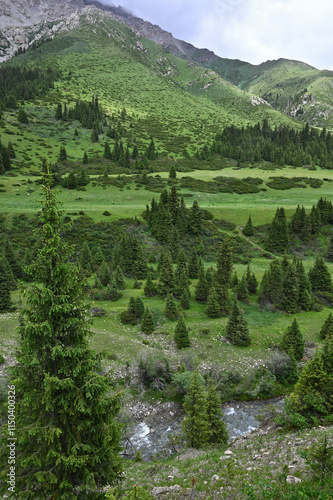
x: 281, y: 145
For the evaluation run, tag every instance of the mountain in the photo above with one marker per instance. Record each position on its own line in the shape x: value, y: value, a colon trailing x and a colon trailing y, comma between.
x: 292, y: 87
x: 178, y: 102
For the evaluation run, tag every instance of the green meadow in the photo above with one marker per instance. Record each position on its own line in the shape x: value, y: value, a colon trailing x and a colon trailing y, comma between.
x: 22, y: 195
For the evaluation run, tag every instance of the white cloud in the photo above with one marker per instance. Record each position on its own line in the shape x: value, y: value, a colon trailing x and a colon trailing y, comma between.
x: 251, y: 30
x: 259, y: 30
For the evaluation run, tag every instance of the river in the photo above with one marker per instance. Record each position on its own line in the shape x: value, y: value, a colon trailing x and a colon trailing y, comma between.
x: 151, y: 435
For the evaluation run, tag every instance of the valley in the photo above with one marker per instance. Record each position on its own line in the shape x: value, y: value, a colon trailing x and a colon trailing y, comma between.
x: 165, y: 218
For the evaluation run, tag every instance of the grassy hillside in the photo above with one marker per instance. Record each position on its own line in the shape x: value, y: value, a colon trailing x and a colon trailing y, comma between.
x: 177, y: 102
x: 289, y: 86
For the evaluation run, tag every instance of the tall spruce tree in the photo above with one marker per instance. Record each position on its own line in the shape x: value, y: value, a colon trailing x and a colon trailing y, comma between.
x: 69, y: 441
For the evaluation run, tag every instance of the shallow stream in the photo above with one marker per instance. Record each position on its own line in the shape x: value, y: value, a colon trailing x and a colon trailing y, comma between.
x: 151, y: 436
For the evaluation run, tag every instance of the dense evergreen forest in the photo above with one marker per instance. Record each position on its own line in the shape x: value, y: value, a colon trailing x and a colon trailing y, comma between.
x: 281, y: 145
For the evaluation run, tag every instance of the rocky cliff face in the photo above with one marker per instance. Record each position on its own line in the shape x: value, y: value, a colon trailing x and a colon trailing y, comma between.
x: 23, y: 22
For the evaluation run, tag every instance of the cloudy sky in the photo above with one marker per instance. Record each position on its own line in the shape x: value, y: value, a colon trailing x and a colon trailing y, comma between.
x: 250, y: 30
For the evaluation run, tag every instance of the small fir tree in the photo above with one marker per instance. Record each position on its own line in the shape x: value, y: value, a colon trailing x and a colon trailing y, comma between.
x: 237, y: 331
x: 327, y: 328
x: 213, y: 307
x: 139, y: 307
x: 85, y: 160
x: 104, y: 274
x: 62, y: 153
x: 147, y: 323
x: 119, y: 278
x: 107, y: 151
x: 166, y: 279
x: 195, y: 424
x: 5, y: 302
x: 218, y: 433
x: 150, y: 289
x: 71, y: 181
x: 248, y: 228
x: 293, y: 339
x: 278, y: 235
x: 201, y: 290
x: 98, y: 256
x: 251, y: 281
x: 86, y: 257
x: 181, y: 334
x: 185, y: 300
x: 129, y: 316
x: 22, y: 116
x: 312, y: 395
x: 242, y: 290
x: 172, y: 172
x: 320, y: 277
x: 170, y: 307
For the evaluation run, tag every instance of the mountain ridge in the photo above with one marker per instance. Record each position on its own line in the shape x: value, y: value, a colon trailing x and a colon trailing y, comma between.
x: 291, y: 87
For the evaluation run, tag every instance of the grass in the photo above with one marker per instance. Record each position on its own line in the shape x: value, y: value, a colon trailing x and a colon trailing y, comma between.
x: 124, y: 202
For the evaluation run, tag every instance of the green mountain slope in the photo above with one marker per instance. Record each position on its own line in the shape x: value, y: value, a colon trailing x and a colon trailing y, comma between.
x: 292, y: 87
x: 178, y: 102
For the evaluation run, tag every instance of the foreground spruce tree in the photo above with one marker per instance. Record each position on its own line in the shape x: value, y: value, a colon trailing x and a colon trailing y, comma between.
x: 68, y: 441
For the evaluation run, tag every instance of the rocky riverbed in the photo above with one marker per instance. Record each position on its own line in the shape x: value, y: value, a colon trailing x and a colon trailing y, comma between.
x: 152, y: 424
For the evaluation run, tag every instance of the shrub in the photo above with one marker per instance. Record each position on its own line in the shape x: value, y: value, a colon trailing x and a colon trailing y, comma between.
x: 283, y: 367
x: 182, y: 381
x: 154, y: 370
x: 2, y: 359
